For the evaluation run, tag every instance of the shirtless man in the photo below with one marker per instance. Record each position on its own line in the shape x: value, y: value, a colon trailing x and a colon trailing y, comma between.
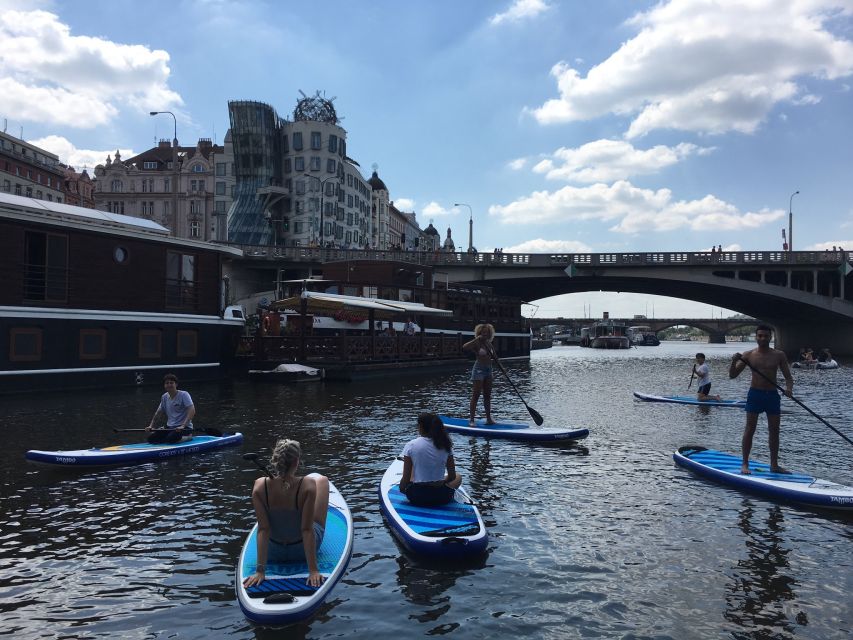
x: 763, y: 396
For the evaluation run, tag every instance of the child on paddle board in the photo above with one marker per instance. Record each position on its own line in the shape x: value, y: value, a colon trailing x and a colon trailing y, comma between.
x: 703, y: 372
x: 179, y: 410
x: 425, y: 460
x: 291, y: 512
x: 763, y: 396
x: 481, y: 373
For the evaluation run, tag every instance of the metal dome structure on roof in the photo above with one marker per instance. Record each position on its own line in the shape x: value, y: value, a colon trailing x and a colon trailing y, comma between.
x: 315, y: 109
x: 376, y: 182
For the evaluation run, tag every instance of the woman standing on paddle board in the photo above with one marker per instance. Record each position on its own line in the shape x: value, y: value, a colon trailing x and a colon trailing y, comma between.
x: 291, y: 512
x: 425, y: 459
x: 763, y: 396
x: 481, y: 373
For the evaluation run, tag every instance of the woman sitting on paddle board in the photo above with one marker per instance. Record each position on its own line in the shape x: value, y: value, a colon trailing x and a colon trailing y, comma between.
x: 291, y: 512
x: 424, y: 462
x: 481, y: 373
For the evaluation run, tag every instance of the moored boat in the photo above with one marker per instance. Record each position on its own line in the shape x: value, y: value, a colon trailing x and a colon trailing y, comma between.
x: 642, y: 336
x: 608, y: 335
x: 100, y: 299
x: 287, y: 373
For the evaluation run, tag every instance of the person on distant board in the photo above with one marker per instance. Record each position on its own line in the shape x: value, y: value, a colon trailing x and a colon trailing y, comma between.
x: 763, y: 396
x: 481, y: 373
x: 291, y: 512
x: 703, y: 372
x: 425, y: 460
x: 179, y: 410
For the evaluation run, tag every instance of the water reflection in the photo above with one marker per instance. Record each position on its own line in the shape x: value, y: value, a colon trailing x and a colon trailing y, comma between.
x: 760, y: 589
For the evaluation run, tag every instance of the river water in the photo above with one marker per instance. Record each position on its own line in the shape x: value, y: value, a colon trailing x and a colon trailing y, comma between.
x: 607, y: 539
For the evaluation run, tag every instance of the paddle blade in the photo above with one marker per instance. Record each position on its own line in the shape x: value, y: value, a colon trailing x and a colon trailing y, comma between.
x: 537, y: 418
x: 250, y: 456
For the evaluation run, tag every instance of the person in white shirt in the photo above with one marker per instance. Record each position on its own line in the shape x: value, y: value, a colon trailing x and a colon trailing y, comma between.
x: 425, y: 460
x: 703, y: 372
x: 179, y: 410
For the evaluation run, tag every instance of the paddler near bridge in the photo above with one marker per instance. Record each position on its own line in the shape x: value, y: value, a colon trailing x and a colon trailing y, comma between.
x: 763, y: 396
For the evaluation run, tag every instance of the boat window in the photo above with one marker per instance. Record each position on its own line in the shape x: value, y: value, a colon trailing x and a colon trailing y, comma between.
x: 46, y: 267
x: 405, y: 295
x: 150, y: 343
x: 181, y: 291
x: 25, y: 344
x: 93, y: 344
x: 187, y: 344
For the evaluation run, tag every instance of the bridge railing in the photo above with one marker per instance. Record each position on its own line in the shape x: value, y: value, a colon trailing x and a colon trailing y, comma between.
x: 438, y: 258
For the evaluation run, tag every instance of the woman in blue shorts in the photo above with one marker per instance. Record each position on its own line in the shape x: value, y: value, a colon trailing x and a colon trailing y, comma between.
x: 481, y: 373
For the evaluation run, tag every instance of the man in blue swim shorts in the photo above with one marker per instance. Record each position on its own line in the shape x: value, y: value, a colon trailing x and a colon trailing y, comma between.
x: 763, y: 396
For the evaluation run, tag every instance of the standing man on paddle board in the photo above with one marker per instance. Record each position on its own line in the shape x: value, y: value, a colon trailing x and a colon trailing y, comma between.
x: 763, y: 396
x: 179, y: 410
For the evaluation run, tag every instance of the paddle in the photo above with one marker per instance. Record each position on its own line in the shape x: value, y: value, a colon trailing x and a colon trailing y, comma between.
x: 537, y: 418
x: 692, y: 375
x: 254, y: 458
x: 208, y: 430
x: 773, y: 382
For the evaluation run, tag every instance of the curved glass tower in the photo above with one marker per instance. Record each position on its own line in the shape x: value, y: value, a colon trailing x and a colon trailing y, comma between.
x: 256, y: 138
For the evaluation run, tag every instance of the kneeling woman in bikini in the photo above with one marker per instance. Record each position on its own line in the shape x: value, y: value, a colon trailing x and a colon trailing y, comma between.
x: 291, y: 512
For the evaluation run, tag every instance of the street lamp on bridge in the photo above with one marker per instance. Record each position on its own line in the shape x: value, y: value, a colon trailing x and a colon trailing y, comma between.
x: 322, y: 203
x: 470, y: 225
x: 791, y: 222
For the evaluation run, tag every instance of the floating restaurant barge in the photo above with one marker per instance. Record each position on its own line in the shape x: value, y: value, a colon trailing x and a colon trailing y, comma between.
x: 370, y: 318
x: 93, y: 299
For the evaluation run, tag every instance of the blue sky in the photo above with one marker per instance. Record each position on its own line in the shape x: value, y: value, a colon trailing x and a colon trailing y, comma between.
x: 567, y: 126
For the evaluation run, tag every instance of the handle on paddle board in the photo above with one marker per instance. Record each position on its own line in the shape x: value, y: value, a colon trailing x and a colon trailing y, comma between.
x: 799, y: 402
x: 208, y: 430
x: 537, y: 418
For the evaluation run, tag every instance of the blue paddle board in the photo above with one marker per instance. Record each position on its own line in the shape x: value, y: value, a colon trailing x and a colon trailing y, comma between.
x: 646, y: 397
x: 511, y: 430
x: 131, y: 453
x: 790, y: 487
x: 285, y: 597
x: 453, y: 530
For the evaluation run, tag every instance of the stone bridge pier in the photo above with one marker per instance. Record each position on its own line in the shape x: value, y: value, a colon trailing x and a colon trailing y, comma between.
x: 717, y: 338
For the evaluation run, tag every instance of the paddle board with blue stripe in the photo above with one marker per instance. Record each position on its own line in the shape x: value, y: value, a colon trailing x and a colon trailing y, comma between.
x: 789, y: 487
x: 131, y: 453
x: 285, y: 597
x: 511, y: 430
x: 647, y: 397
x: 453, y: 530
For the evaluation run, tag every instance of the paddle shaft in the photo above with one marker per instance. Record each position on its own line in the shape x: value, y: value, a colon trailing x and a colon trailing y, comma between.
x: 537, y: 418
x: 208, y: 430
x: 802, y: 404
x: 692, y: 375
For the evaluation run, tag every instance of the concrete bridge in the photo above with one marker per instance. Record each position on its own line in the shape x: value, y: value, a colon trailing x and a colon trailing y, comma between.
x: 806, y: 295
x: 716, y: 328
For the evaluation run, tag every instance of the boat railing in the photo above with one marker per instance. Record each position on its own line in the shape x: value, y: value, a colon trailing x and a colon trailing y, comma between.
x: 347, y: 348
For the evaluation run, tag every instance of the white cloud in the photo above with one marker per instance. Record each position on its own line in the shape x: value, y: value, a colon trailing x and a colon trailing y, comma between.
x: 707, y: 65
x: 520, y: 10
x: 435, y: 209
x: 548, y: 246
x: 74, y: 157
x: 630, y: 208
x: 405, y: 204
x: 48, y: 75
x: 609, y: 160
x: 518, y: 164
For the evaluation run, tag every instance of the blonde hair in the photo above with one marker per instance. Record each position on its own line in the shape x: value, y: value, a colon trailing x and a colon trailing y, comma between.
x: 285, y: 455
x: 484, y: 329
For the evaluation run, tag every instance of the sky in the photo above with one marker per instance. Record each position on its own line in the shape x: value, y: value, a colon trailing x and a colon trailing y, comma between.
x: 566, y: 126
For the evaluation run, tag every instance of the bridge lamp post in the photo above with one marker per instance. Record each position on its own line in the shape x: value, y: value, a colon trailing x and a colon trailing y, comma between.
x: 322, y: 202
x: 176, y: 176
x: 470, y: 225
x: 791, y: 222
